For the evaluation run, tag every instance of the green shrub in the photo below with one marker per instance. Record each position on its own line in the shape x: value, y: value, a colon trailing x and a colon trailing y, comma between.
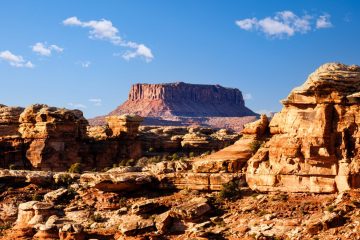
x: 155, y: 159
x: 191, y: 154
x: 97, y: 217
x: 5, y: 226
x: 123, y: 202
x: 330, y: 208
x: 131, y: 162
x: 151, y: 149
x: 255, y: 145
x: 174, y: 157
x: 230, y: 190
x: 12, y: 166
x: 75, y: 168
x: 64, y: 179
x: 37, y: 197
x: 122, y: 163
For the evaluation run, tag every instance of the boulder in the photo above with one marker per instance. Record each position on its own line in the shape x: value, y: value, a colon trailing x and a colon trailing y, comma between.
x: 192, y: 209
x: 133, y: 225
x: 55, y: 196
x: 146, y: 206
x: 113, y: 181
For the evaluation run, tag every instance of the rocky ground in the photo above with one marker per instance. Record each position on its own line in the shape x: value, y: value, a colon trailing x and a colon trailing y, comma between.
x: 71, y: 208
x: 294, y: 177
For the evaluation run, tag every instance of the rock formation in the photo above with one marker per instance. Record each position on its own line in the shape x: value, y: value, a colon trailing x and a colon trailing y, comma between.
x: 40, y: 137
x: 315, y: 139
x: 49, y: 138
x: 185, y: 104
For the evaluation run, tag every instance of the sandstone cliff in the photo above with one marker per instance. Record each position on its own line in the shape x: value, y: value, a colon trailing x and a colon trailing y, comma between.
x: 315, y: 138
x: 185, y: 104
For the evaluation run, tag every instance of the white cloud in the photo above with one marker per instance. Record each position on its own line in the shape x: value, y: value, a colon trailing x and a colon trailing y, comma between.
x: 247, y: 96
x: 247, y: 24
x: 104, y: 30
x: 323, y: 21
x: 141, y: 50
x: 44, y: 50
x: 96, y: 101
x: 85, y: 64
x: 283, y: 24
x: 77, y: 105
x: 15, y: 60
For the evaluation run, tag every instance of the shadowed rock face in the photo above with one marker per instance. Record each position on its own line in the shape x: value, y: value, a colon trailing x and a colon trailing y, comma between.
x: 315, y: 143
x: 184, y: 104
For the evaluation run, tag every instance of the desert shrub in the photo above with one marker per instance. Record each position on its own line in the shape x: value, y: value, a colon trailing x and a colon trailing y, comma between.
x: 255, y: 145
x: 206, y: 153
x: 122, y: 163
x: 131, y: 162
x: 12, y: 166
x: 330, y: 208
x: 115, y: 165
x: 96, y: 218
x: 123, y: 202
x: 174, y: 157
x: 37, y: 197
x: 5, y: 226
x: 191, y: 154
x: 64, y: 180
x: 151, y: 149
x: 155, y: 159
x: 75, y: 168
x: 230, y: 190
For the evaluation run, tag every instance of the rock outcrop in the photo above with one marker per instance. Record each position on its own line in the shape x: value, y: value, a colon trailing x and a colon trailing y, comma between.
x: 54, y: 135
x: 315, y: 138
x: 185, y: 104
x: 40, y: 137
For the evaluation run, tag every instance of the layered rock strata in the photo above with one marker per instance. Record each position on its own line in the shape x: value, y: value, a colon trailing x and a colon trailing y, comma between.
x: 49, y: 138
x: 176, y: 104
x: 315, y: 139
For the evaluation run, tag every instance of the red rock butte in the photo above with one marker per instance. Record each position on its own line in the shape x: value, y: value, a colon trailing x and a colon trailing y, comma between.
x: 185, y: 104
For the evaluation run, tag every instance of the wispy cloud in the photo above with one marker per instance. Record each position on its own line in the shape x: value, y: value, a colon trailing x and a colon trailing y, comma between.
x: 15, y: 60
x: 323, y: 21
x: 96, y: 101
x: 104, y: 30
x: 44, y: 50
x: 76, y: 105
x: 84, y: 64
x: 247, y: 96
x: 284, y: 24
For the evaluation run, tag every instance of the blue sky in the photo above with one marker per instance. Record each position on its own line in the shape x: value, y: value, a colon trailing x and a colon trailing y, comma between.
x: 86, y: 54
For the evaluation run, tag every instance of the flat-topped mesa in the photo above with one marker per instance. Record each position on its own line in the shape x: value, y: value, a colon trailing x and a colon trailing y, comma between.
x: 315, y: 143
x: 184, y: 100
x: 183, y: 91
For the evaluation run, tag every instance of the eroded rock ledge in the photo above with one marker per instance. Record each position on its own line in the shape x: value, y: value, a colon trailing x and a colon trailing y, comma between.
x: 314, y: 145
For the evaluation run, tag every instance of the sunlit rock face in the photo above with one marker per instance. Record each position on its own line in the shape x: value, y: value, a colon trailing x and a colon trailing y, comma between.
x: 184, y: 104
x: 315, y: 143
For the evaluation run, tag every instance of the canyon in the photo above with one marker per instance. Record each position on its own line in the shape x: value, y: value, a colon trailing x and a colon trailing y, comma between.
x: 294, y: 176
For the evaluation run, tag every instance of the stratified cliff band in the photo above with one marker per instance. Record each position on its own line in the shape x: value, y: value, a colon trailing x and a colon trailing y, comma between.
x: 185, y: 104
